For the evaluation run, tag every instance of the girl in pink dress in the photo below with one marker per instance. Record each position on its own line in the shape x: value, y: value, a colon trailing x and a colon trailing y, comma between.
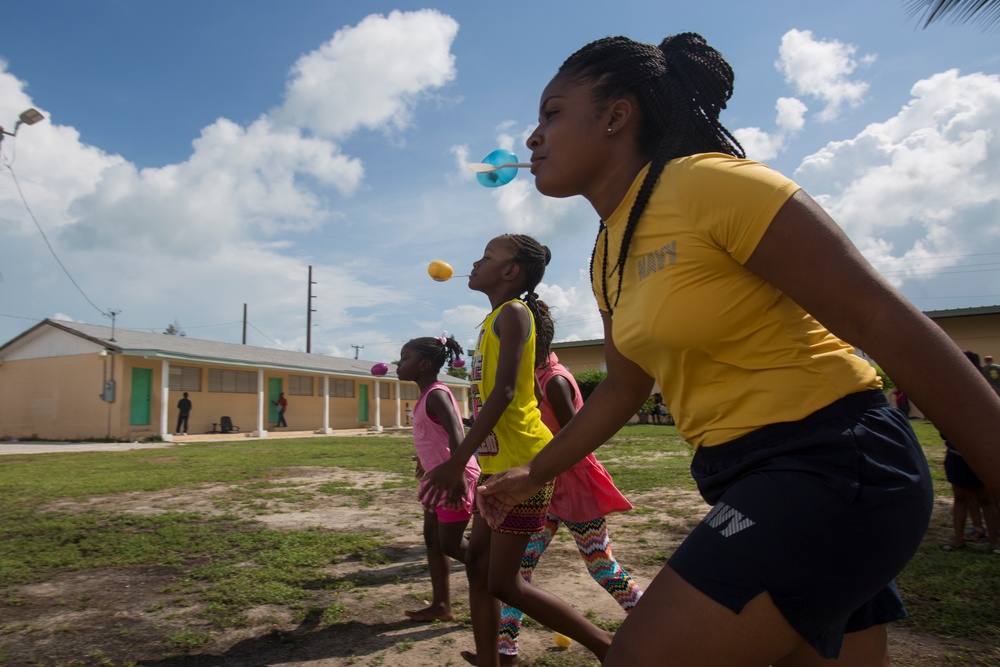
x: 437, y: 430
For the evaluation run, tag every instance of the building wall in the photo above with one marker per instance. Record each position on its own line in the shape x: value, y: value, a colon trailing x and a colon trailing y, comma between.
x: 58, y: 397
x: 579, y: 358
x: 304, y: 413
x: 979, y: 333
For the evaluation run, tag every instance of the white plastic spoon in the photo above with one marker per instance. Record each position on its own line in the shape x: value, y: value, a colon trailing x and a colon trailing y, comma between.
x: 483, y: 168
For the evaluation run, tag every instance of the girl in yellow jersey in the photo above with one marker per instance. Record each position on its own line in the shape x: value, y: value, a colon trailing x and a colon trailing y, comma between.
x: 507, y: 432
x: 732, y: 288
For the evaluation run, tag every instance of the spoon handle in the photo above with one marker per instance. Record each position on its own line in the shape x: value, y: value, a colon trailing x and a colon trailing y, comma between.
x: 483, y: 168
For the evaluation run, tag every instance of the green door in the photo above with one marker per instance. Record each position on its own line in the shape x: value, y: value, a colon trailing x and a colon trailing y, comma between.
x: 142, y: 389
x: 362, y: 403
x: 273, y: 391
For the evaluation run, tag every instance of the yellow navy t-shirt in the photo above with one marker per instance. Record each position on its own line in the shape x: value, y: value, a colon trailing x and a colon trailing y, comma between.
x: 731, y: 352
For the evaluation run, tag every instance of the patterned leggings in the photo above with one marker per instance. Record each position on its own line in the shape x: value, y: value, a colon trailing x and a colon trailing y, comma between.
x: 595, y: 547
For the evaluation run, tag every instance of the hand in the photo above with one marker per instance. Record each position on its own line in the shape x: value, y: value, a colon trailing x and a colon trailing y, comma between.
x: 420, y: 472
x: 504, y: 490
x: 446, y: 484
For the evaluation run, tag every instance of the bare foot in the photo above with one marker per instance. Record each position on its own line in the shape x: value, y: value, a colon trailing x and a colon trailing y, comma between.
x: 505, y: 660
x: 432, y: 613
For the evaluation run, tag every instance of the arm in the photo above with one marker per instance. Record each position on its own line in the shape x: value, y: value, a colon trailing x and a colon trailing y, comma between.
x: 513, y: 324
x: 559, y: 394
x: 799, y: 254
x: 611, y: 405
x: 439, y: 405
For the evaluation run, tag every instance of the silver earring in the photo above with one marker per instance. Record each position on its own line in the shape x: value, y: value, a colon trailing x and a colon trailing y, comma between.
x: 609, y: 129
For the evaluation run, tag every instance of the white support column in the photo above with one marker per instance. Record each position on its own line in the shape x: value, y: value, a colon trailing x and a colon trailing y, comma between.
x: 326, y: 406
x: 259, y: 432
x: 399, y: 405
x: 378, y: 408
x: 165, y: 433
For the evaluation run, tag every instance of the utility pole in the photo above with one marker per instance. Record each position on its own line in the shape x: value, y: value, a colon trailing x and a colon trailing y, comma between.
x: 244, y: 324
x: 309, y: 312
x: 112, y: 313
x: 356, y: 348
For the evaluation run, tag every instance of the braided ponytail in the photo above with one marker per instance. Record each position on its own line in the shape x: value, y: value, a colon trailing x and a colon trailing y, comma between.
x: 437, y: 350
x: 546, y: 331
x: 532, y: 257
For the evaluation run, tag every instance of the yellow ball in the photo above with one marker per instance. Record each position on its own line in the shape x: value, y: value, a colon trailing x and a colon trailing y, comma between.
x: 562, y: 641
x: 440, y: 271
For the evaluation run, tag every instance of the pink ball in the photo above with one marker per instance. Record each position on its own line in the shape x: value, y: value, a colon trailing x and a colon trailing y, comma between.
x: 458, y: 363
x: 380, y: 369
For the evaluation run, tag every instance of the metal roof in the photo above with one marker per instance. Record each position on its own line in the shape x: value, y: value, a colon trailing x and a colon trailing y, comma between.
x: 184, y: 348
x: 962, y: 312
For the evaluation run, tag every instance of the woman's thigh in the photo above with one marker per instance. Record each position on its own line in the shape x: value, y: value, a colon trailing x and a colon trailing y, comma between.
x: 674, y: 621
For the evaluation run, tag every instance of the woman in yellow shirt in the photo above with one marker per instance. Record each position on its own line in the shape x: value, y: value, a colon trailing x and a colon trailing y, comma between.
x: 730, y: 286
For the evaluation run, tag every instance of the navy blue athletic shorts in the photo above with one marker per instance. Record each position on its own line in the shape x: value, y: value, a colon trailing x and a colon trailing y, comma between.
x: 960, y: 473
x: 821, y: 513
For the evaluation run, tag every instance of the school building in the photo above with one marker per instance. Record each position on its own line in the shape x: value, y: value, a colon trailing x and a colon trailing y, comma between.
x: 67, y: 380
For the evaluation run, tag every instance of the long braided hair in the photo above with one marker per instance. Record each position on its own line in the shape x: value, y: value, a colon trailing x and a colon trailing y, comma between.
x: 682, y: 86
x: 437, y: 350
x: 546, y: 331
x: 532, y: 257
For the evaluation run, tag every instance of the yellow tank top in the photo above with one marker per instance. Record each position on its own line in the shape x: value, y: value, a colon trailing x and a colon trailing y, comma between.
x: 730, y: 351
x: 520, y: 433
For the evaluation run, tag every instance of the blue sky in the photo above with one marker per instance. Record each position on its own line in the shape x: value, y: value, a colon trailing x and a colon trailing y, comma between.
x: 197, y: 156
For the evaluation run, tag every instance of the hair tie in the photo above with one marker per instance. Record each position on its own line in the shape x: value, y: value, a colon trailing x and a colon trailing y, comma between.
x: 443, y: 338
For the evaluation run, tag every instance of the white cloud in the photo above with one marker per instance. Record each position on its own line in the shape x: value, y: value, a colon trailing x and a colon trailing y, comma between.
x: 923, y: 183
x: 238, y: 183
x: 573, y: 309
x: 372, y: 74
x: 789, y: 121
x: 821, y: 69
x: 195, y: 240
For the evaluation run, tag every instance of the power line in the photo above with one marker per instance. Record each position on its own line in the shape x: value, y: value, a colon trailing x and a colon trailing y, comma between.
x: 24, y: 200
x: 921, y: 259
x: 266, y: 336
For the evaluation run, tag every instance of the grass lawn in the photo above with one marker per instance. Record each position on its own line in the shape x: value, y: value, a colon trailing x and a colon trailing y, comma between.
x: 234, y: 564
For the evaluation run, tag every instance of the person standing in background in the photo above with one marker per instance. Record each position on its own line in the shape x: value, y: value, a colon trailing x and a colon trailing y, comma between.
x: 282, y: 404
x: 991, y: 371
x: 184, y: 406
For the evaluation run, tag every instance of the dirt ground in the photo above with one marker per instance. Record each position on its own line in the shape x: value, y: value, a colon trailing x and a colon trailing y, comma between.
x: 122, y: 616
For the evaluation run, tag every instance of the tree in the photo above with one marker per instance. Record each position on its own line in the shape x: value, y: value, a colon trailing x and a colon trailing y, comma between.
x: 462, y: 373
x: 588, y: 381
x: 174, y: 329
x: 986, y: 12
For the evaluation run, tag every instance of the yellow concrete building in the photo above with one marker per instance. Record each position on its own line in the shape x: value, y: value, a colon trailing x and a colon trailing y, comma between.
x: 66, y: 380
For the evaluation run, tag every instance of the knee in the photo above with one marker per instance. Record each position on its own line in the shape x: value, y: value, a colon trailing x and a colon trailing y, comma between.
x: 477, y: 566
x: 453, y: 551
x: 506, y: 590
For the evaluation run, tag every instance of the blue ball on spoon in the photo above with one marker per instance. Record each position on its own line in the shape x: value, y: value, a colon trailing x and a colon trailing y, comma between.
x: 495, y: 179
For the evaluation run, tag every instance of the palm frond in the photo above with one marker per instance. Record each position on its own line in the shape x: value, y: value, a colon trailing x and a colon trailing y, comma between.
x: 986, y: 12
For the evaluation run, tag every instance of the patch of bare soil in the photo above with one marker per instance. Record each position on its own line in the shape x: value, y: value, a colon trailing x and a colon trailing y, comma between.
x: 134, y: 616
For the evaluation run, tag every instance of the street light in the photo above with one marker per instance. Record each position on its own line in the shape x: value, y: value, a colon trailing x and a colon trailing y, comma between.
x: 28, y: 117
